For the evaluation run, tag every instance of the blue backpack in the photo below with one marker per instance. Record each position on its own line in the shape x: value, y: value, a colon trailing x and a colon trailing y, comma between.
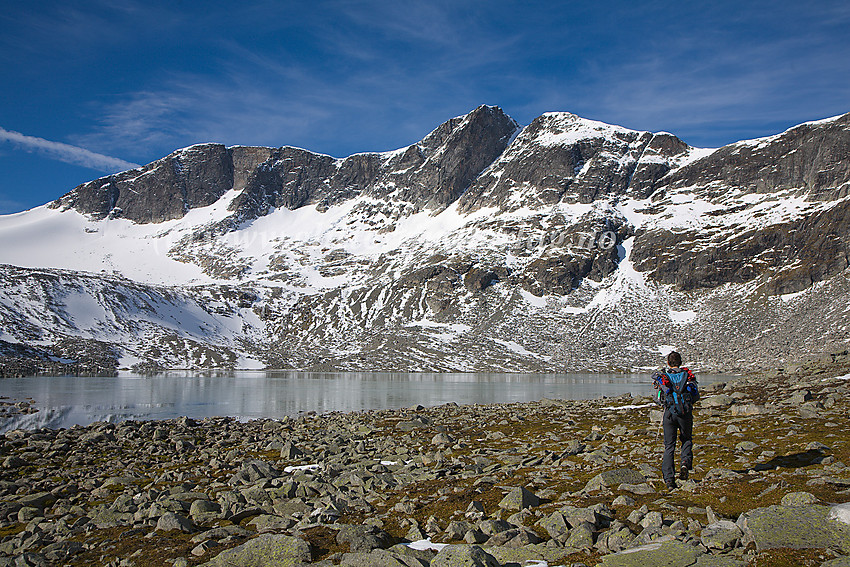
x: 682, y: 395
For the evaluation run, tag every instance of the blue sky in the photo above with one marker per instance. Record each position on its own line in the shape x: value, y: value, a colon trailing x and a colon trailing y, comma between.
x: 91, y: 87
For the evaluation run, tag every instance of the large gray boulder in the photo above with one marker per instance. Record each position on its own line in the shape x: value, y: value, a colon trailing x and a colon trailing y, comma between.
x: 382, y: 558
x: 519, y: 498
x: 717, y: 401
x: 555, y: 525
x: 463, y: 556
x: 363, y: 539
x: 798, y: 499
x: 797, y: 527
x: 666, y: 554
x: 721, y: 535
x: 171, y: 521
x: 269, y: 550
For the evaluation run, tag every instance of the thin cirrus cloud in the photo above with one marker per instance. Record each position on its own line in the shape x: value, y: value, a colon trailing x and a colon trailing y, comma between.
x: 67, y: 153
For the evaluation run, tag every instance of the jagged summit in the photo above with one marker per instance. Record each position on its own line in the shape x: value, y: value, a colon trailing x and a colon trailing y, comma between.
x: 565, y: 244
x: 431, y: 173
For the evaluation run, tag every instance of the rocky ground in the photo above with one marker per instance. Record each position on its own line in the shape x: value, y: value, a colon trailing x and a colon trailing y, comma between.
x: 549, y: 482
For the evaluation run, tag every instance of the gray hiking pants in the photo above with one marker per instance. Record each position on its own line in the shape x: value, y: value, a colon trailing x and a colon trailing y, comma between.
x: 683, y: 425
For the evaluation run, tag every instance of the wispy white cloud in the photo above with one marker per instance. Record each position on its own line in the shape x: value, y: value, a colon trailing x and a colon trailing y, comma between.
x: 66, y: 152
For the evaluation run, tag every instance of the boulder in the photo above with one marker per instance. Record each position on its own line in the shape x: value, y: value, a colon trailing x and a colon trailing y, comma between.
x: 717, y: 401
x: 519, y: 498
x: 798, y: 499
x: 363, y: 539
x: 202, y: 510
x: 577, y: 516
x: 642, y: 488
x: 581, y: 536
x: 252, y: 471
x: 463, y: 556
x: 171, y: 521
x: 267, y: 550
x: 721, y: 535
x: 666, y: 554
x: 266, y: 522
x: 797, y: 527
x: 555, y: 525
x: 613, y: 478
x: 748, y: 409
x: 381, y: 558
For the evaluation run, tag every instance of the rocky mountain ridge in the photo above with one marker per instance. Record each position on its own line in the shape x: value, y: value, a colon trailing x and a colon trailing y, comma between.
x: 568, y: 244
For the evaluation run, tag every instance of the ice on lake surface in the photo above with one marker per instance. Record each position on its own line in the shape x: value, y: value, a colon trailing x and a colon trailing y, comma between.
x: 66, y: 401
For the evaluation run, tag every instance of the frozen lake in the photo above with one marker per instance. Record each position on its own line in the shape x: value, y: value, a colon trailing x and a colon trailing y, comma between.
x: 65, y: 401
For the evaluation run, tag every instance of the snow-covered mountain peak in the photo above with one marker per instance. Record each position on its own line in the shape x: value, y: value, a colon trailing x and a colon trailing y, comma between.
x: 568, y: 243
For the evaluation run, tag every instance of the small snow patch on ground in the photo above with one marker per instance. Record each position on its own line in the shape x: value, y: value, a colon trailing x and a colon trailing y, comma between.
x: 532, y: 299
x: 682, y: 317
x: 664, y: 350
x: 300, y: 468
x: 424, y: 544
x: 628, y: 407
x: 573, y: 310
x: 791, y: 296
x: 845, y: 377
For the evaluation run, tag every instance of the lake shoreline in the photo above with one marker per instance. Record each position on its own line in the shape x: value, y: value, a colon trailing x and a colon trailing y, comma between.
x: 561, y: 481
x: 67, y: 401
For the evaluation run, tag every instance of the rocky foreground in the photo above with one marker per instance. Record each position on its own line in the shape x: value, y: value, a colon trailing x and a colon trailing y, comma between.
x: 560, y: 482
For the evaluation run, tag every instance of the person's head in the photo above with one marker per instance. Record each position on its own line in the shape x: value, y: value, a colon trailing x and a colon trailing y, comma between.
x: 674, y: 359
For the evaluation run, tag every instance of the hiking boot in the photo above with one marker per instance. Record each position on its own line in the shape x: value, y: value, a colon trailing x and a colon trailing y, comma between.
x: 671, y: 485
x: 683, y: 474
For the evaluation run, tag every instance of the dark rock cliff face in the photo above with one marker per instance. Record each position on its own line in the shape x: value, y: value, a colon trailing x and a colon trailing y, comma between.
x: 814, y: 158
x: 795, y: 255
x: 439, y: 169
x: 163, y: 190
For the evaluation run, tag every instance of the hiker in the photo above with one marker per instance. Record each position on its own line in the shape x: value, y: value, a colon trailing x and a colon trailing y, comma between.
x: 677, y: 394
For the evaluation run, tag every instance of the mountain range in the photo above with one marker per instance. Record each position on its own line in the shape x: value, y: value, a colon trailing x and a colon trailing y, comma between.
x: 564, y: 245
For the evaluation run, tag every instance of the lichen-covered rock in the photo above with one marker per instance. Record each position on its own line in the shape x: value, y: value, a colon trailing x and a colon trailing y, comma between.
x: 581, y: 536
x: 463, y: 556
x: 796, y: 527
x: 382, y: 558
x: 519, y: 498
x: 721, y: 535
x: 269, y: 550
x: 555, y: 524
x: 363, y: 539
x: 798, y: 499
x: 666, y: 554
